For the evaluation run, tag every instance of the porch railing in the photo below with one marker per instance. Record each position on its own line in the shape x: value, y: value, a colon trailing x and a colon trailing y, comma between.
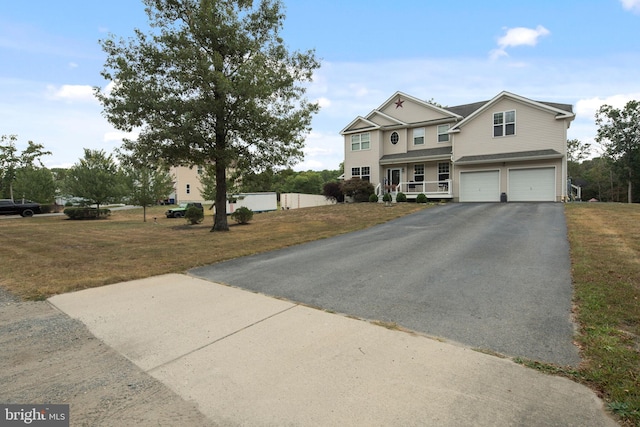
x: 432, y: 189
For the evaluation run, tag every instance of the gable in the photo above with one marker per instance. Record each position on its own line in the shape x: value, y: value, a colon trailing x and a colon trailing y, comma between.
x: 409, y: 110
x: 358, y: 125
x: 506, y: 100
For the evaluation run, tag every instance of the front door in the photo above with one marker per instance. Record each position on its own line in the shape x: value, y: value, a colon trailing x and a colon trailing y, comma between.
x: 393, y: 177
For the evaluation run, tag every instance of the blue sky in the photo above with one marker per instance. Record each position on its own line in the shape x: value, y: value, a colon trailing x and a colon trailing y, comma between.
x: 585, y: 53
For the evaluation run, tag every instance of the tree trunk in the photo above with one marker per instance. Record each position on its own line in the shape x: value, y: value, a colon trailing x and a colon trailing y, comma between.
x: 220, y: 217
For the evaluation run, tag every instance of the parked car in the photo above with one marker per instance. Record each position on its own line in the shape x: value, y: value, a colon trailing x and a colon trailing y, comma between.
x: 26, y: 208
x: 179, y: 211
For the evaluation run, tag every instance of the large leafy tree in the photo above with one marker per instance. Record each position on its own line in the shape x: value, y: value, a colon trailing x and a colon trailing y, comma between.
x: 619, y: 133
x: 11, y: 161
x: 212, y: 82
x: 96, y: 178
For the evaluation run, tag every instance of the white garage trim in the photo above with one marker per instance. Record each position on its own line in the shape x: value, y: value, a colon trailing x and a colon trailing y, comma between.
x: 480, y: 186
x: 532, y: 185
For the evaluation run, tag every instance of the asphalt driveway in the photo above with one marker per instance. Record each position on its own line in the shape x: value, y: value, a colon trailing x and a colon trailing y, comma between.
x: 489, y: 276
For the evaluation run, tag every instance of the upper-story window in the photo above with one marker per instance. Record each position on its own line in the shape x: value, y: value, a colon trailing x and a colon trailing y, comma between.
x: 188, y: 189
x: 443, y: 135
x: 504, y: 123
x: 360, y: 142
x: 418, y: 136
x: 394, y: 138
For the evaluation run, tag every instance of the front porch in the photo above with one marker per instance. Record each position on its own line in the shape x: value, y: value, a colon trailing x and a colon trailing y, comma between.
x: 431, y: 189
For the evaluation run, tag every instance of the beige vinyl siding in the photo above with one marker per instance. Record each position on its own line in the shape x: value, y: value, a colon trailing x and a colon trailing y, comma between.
x: 535, y: 130
x: 411, y: 112
x: 382, y: 120
x: 430, y: 139
x: 358, y: 159
x: 401, y: 147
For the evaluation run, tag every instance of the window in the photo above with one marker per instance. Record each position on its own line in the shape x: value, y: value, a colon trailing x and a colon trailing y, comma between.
x: 443, y: 136
x: 360, y: 142
x: 200, y: 170
x: 418, y: 136
x: 395, y: 138
x: 418, y: 173
x: 188, y: 188
x: 364, y: 173
x: 504, y: 123
x: 443, y: 171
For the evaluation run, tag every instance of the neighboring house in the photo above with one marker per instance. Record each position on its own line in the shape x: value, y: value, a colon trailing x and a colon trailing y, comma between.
x: 509, y: 147
x: 186, y: 184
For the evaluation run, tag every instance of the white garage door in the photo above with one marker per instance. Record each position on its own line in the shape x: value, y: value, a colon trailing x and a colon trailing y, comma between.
x: 480, y: 186
x: 532, y: 185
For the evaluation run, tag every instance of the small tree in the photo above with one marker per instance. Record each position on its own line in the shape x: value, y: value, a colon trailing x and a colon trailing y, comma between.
x: 333, y: 191
x: 11, y: 161
x: 146, y: 185
x: 35, y: 184
x: 96, y: 179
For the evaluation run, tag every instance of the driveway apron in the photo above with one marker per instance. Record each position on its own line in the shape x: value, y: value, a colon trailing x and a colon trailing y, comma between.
x: 489, y: 276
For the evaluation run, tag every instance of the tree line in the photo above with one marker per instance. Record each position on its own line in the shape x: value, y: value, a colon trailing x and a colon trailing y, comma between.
x: 100, y: 178
x: 613, y: 175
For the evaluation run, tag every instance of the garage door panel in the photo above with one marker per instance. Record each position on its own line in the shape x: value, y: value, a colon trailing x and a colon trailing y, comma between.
x: 532, y: 185
x: 482, y: 186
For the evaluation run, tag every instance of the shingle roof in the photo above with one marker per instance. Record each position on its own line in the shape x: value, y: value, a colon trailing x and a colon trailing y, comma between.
x: 524, y: 155
x: 466, y: 110
x: 417, y: 154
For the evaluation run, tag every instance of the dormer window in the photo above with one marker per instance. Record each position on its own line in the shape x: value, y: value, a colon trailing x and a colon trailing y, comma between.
x: 504, y: 123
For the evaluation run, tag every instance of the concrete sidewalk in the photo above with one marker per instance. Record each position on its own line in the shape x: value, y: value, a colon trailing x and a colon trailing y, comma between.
x: 247, y: 359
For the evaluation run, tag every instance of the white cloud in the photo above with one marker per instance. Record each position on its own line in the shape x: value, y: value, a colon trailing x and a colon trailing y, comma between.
x: 631, y: 5
x: 519, y: 36
x: 83, y: 93
x: 324, y: 102
x: 588, y: 107
x: 118, y: 136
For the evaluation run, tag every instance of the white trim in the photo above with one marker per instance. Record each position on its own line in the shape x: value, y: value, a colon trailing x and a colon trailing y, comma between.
x: 347, y: 131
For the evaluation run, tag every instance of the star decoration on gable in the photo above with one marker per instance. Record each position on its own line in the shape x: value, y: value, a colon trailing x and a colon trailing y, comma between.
x: 399, y: 103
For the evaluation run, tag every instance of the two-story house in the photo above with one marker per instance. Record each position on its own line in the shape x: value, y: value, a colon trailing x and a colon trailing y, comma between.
x: 508, y: 148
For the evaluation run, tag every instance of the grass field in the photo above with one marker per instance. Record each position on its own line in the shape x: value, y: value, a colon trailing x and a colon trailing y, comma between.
x: 605, y: 254
x: 43, y: 256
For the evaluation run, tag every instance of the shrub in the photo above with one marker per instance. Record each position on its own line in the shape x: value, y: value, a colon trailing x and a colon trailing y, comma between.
x: 373, y: 198
x: 194, y: 215
x: 86, y: 213
x: 333, y: 191
x: 421, y: 198
x: 401, y: 197
x: 387, y: 197
x: 358, y: 189
x: 242, y: 215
